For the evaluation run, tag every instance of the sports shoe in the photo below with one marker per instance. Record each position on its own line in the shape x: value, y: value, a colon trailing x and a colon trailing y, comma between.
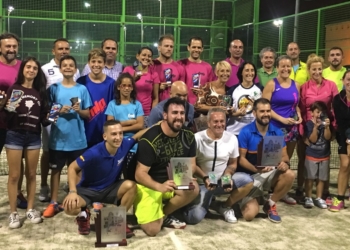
x: 129, y: 232
x: 320, y: 203
x: 14, y: 221
x: 271, y: 212
x: 329, y: 201
x: 289, y: 200
x: 21, y: 201
x: 83, y: 221
x: 51, y: 210
x: 228, y: 214
x: 337, y: 205
x: 34, y: 216
x: 308, y: 203
x: 44, y: 194
x: 172, y: 222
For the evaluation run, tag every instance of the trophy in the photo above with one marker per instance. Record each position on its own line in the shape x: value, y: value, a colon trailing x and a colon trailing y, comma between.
x: 294, y: 115
x: 74, y: 100
x: 323, y: 118
x: 201, y: 123
x: 180, y: 170
x: 110, y: 224
x: 212, y: 179
x: 15, y: 98
x: 226, y: 181
x: 138, y: 67
x: 1, y: 96
x: 168, y: 76
x: 196, y: 80
x: 226, y: 101
x: 270, y: 151
x: 54, y: 112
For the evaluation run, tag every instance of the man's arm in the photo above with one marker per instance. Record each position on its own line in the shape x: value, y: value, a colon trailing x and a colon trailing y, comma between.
x: 244, y: 162
x: 231, y: 167
x: 73, y: 171
x: 139, y: 134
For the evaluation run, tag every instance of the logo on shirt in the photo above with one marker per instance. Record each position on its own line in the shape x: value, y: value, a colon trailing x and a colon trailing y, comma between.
x: 277, y: 89
x: 131, y: 116
x: 29, y: 104
x: 246, y: 101
x: 120, y: 161
x: 99, y: 107
x: 149, y: 81
x: 81, y: 158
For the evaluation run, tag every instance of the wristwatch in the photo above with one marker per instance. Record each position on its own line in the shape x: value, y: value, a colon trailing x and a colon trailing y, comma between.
x: 72, y: 191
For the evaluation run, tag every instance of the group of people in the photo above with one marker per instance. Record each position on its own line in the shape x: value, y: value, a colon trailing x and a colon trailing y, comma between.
x: 118, y: 127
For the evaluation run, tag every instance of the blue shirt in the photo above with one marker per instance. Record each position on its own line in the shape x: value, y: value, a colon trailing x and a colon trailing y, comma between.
x: 68, y: 133
x: 101, y: 94
x: 99, y: 168
x: 250, y: 137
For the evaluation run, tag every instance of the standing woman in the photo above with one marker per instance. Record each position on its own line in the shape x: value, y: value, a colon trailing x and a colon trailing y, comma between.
x: 341, y: 107
x: 146, y: 80
x: 283, y: 94
x: 23, y: 135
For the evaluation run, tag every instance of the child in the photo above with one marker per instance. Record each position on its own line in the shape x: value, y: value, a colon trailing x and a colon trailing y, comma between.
x: 67, y: 137
x: 318, y: 132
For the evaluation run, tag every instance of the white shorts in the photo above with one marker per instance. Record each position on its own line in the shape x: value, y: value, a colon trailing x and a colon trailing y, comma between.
x: 45, y: 137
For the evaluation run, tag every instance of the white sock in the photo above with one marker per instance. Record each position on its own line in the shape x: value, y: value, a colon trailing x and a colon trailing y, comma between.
x: 271, y: 202
x: 83, y: 214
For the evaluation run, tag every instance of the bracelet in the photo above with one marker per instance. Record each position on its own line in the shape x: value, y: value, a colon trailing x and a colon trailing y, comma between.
x: 288, y: 163
x: 205, y: 178
x: 72, y: 191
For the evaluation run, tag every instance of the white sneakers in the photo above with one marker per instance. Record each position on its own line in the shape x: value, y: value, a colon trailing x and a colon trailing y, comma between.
x: 14, y: 220
x: 32, y: 215
x: 228, y: 214
x: 44, y: 194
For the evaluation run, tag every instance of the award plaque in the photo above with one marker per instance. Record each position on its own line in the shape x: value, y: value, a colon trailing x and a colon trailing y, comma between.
x: 201, y: 123
x: 15, y: 98
x: 54, y: 112
x: 212, y: 179
x: 138, y: 68
x: 74, y: 100
x: 110, y: 224
x: 270, y: 151
x: 226, y: 101
x: 168, y: 74
x: 226, y: 181
x: 196, y: 80
x: 180, y: 170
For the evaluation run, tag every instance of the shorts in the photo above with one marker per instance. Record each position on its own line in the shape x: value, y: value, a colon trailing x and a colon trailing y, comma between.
x: 58, y: 158
x: 316, y: 169
x: 2, y: 138
x: 342, y: 146
x: 148, y: 204
x: 291, y: 134
x: 21, y: 139
x: 107, y: 195
x: 45, y: 137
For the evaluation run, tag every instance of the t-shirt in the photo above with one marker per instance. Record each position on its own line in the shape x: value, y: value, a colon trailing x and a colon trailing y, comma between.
x: 155, y: 150
x: 113, y: 72
x: 335, y: 76
x: 168, y: 72
x: 300, y: 74
x: 144, y: 88
x: 242, y: 97
x: 320, y: 149
x: 99, y: 168
x: 101, y: 94
x: 68, y: 133
x: 264, y: 77
x: 8, y: 77
x: 124, y: 112
x: 196, y: 74
x: 30, y: 113
x: 221, y: 150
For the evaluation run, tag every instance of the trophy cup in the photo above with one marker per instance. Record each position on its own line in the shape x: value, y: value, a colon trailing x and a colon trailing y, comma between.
x: 196, y: 80
x: 180, y: 170
x: 212, y: 179
x: 226, y: 101
x: 54, y: 112
x: 294, y: 115
x: 15, y: 98
x: 168, y: 76
x: 138, y: 68
x: 226, y: 181
x: 323, y: 118
x: 74, y: 100
x: 270, y: 151
x: 110, y: 224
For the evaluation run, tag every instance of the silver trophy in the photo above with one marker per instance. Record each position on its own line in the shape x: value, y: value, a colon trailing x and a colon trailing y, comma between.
x: 15, y: 98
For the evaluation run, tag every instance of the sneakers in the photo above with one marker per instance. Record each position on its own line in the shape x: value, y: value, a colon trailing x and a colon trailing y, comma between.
x: 308, y: 203
x: 329, y: 201
x: 337, y: 205
x: 51, y: 210
x: 21, y: 201
x: 129, y: 232
x: 289, y: 200
x: 172, y: 222
x: 320, y: 203
x: 44, y: 194
x: 83, y: 221
x: 271, y: 212
x: 14, y: 221
x: 34, y: 216
x: 228, y: 214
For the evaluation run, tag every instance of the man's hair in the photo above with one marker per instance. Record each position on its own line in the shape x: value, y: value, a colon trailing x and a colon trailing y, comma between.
x: 260, y: 101
x: 97, y: 52
x: 314, y: 59
x: 214, y: 110
x: 110, y: 123
x: 9, y: 36
x: 195, y: 38
x: 60, y: 40
x: 166, y: 36
x: 337, y: 48
x: 108, y: 39
x: 267, y: 49
x: 321, y: 106
x: 173, y: 100
x: 283, y: 57
x: 68, y: 57
x: 291, y: 43
x: 241, y: 68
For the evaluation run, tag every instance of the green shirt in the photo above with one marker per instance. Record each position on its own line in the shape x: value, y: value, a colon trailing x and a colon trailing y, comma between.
x: 264, y: 77
x: 334, y: 76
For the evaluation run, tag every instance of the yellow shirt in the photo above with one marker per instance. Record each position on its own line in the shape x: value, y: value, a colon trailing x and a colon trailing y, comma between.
x: 301, y: 75
x: 335, y: 76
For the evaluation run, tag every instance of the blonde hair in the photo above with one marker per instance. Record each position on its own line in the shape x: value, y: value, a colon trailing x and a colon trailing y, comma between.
x: 222, y: 64
x: 96, y: 52
x: 314, y: 59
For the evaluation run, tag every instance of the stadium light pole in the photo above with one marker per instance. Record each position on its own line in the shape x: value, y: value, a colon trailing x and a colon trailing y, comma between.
x: 9, y: 10
x: 139, y: 16
x: 278, y: 23
x: 160, y: 17
x: 22, y: 38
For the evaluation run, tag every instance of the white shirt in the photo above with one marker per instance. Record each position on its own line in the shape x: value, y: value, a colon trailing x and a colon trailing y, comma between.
x: 53, y: 74
x: 226, y: 148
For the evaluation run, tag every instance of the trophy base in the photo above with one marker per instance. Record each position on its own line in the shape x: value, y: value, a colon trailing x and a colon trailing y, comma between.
x: 11, y: 109
x: 1, y: 96
x: 111, y: 244
x: 226, y: 186
x: 186, y: 187
x: 52, y: 120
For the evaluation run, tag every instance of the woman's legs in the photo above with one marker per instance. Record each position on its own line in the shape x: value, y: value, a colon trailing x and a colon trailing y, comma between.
x: 31, y: 157
x: 14, y: 159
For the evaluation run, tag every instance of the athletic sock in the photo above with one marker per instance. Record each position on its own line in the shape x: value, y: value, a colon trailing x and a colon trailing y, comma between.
x: 83, y: 212
x: 271, y: 202
x: 341, y: 197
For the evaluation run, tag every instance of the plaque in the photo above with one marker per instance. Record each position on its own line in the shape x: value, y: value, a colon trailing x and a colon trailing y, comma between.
x: 212, y: 179
x: 138, y: 68
x: 200, y: 123
x: 15, y: 98
x: 270, y: 151
x: 54, y: 112
x: 168, y: 74
x: 180, y: 170
x: 74, y: 100
x: 110, y: 224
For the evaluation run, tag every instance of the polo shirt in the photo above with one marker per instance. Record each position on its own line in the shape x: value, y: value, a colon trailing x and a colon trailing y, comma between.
x: 99, y: 168
x: 335, y: 76
x: 113, y: 72
x: 249, y: 138
x: 300, y: 75
x: 264, y: 77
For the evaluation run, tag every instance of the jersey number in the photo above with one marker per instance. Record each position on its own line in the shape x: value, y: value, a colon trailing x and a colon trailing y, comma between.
x: 51, y: 72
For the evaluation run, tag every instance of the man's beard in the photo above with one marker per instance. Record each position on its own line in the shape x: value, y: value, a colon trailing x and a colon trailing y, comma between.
x: 262, y: 123
x: 9, y: 57
x: 173, y: 128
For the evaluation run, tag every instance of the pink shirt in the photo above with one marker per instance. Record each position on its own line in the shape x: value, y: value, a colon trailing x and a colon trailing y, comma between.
x: 168, y: 72
x: 233, y: 80
x: 196, y: 74
x: 310, y: 93
x: 144, y: 88
x: 8, y: 76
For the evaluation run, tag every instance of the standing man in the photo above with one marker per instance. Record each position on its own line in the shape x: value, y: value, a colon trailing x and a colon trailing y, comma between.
x: 268, y: 71
x: 112, y: 68
x: 299, y: 71
x: 197, y: 72
x: 335, y: 71
x: 53, y: 75
x: 168, y: 70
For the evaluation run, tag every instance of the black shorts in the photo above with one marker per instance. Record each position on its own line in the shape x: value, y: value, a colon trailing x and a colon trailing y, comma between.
x: 58, y: 159
x: 107, y: 195
x: 342, y: 146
